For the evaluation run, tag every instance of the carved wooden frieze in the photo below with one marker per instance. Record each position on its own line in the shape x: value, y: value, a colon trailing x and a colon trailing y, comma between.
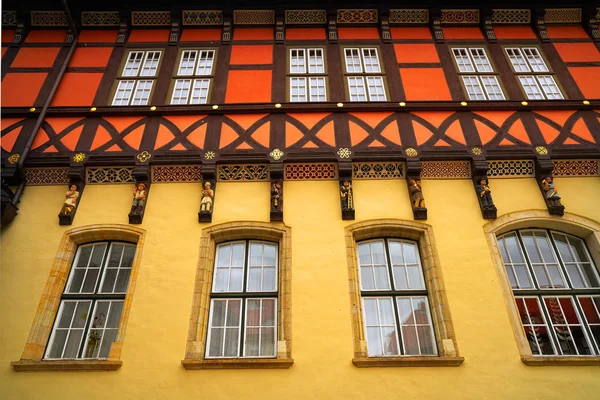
x: 511, y: 16
x: 308, y: 17
x: 409, y: 16
x: 202, y: 17
x: 100, y: 18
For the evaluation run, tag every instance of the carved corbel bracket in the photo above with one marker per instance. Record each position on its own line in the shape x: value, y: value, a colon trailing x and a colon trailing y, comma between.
x: 539, y: 24
x: 488, y: 27
x: 19, y: 34
x: 226, y: 36
x: 543, y: 173
x: 346, y: 190
x: 141, y: 192
x: 435, y: 21
x: 175, y: 29
x: 592, y: 27
x: 384, y: 29
x: 76, y: 175
x: 415, y: 193
x: 209, y: 188
x: 276, y: 188
x: 123, y: 29
x: 280, y: 30
x: 479, y: 168
x: 332, y: 32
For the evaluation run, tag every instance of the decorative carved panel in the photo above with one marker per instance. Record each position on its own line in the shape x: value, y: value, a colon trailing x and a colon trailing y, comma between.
x: 445, y: 169
x: 9, y: 18
x: 314, y: 171
x: 511, y: 16
x: 202, y: 17
x: 357, y: 16
x: 294, y: 17
x: 562, y: 15
x: 576, y: 168
x: 376, y: 170
x: 100, y: 18
x: 48, y: 18
x: 511, y: 169
x: 151, y: 18
x: 46, y: 176
x: 253, y: 17
x: 176, y: 173
x: 460, y: 17
x: 250, y: 172
x: 409, y: 16
x: 110, y: 175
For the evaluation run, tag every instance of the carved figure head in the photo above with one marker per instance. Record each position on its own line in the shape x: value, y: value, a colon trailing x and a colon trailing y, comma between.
x: 73, y: 188
x: 483, y: 181
x: 207, y: 185
x: 141, y: 186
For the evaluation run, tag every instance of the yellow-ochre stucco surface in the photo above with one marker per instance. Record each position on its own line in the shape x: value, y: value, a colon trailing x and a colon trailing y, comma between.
x: 157, y: 328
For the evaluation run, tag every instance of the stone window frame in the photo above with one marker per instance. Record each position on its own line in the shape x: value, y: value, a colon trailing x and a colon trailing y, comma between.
x: 33, y: 353
x: 198, y: 326
x: 440, y: 310
x: 575, y: 225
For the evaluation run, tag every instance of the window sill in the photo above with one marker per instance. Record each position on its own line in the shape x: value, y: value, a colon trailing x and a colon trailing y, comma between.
x: 265, y: 363
x: 540, y: 361
x: 67, y: 365
x: 417, y: 361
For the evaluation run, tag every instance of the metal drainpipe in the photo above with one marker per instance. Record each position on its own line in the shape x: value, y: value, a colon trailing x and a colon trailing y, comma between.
x: 42, y: 115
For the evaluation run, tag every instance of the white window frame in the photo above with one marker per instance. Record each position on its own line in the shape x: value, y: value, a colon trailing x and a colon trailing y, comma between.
x: 474, y: 65
x: 362, y: 64
x: 528, y: 63
x: 199, y: 72
x: 306, y: 71
x: 138, y: 74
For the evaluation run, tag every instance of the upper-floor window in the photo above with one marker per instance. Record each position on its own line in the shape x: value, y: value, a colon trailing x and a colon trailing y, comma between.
x: 90, y: 308
x: 136, y: 80
x: 364, y: 74
x: 193, y: 76
x: 307, y: 75
x: 477, y: 73
x: 394, y: 299
x: 556, y: 287
x: 533, y: 74
x: 243, y: 304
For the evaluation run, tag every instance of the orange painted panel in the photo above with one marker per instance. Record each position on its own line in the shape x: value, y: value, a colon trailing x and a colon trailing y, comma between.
x: 7, y: 35
x: 327, y: 134
x: 197, y: 136
x: 149, y: 36
x: 244, y: 146
x: 372, y: 118
x: 178, y: 146
x: 587, y: 78
x: 41, y: 137
x: 558, y: 116
x: 570, y: 141
x: 70, y: 139
x: 392, y: 133
x: 376, y: 143
x: 497, y: 117
x: 134, y: 137
x: 462, y: 33
x: 21, y: 89
x: 581, y: 129
x: 35, y: 57
x: 102, y: 137
x: 416, y: 53
x: 60, y: 124
x: 506, y: 142
x: 114, y: 147
x: 251, y: 54
x: 455, y: 132
x: 77, y: 89
x: 184, y: 121
x: 485, y: 132
x: 163, y: 137
x: 305, y: 34
x: 46, y: 36
x: 425, y: 84
x: 441, y: 143
x: 50, y: 149
x: 358, y: 33
x: 518, y: 131
x: 309, y: 119
x: 4, y: 50
x: 252, y: 86
x: 228, y: 135
x: 411, y: 33
x: 6, y: 122
x: 357, y: 133
x: 310, y: 145
x: 245, y: 120
x: 122, y: 123
x: 91, y: 57
x: 566, y: 32
x: 435, y: 118
x: 292, y: 134
x: 253, y: 34
x: 514, y: 32
x: 263, y: 134
x: 201, y: 35
x: 422, y: 134
x: 8, y: 140
x: 98, y: 36
x: 578, y: 52
x: 550, y: 133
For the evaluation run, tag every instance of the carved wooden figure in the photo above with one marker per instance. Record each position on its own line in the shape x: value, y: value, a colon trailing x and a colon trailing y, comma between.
x: 138, y: 205
x: 67, y: 212
x: 484, y: 195
x: 206, y: 202
x: 417, y: 201
x: 276, y: 201
x: 347, y: 199
x: 551, y: 196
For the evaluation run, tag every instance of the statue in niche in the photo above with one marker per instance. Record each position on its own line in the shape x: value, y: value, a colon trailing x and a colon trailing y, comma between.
x: 139, y: 199
x: 485, y: 194
x: 207, y: 198
x: 276, y: 197
x: 347, y: 196
x: 70, y: 203
x: 550, y: 192
x: 416, y: 194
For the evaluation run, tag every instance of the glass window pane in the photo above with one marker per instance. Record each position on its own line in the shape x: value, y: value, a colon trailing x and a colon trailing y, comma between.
x: 231, y: 342
x: 216, y: 342
x: 233, y: 312
x: 115, y: 314
x: 409, y: 340
x: 514, y: 249
x: 68, y: 308
x: 390, y: 341
x: 415, y: 277
x: 109, y: 337
x: 81, y: 314
x: 267, y: 342
x: 268, y: 312
x: 374, y: 341
x: 400, y: 278
x: 426, y: 340
x: 235, y: 280
x: 378, y: 253
x: 218, y: 312
x: 252, y: 342
x: 58, y: 344
x: 253, y: 312
x: 523, y: 277
x: 405, y: 310
x: 371, y: 314
x: 386, y: 312
x: 73, y: 343
x: 367, y: 280
x: 530, y: 246
x: 381, y: 277
x: 364, y: 254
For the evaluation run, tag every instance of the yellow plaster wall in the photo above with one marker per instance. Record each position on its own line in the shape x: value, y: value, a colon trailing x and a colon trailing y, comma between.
x: 322, y: 338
